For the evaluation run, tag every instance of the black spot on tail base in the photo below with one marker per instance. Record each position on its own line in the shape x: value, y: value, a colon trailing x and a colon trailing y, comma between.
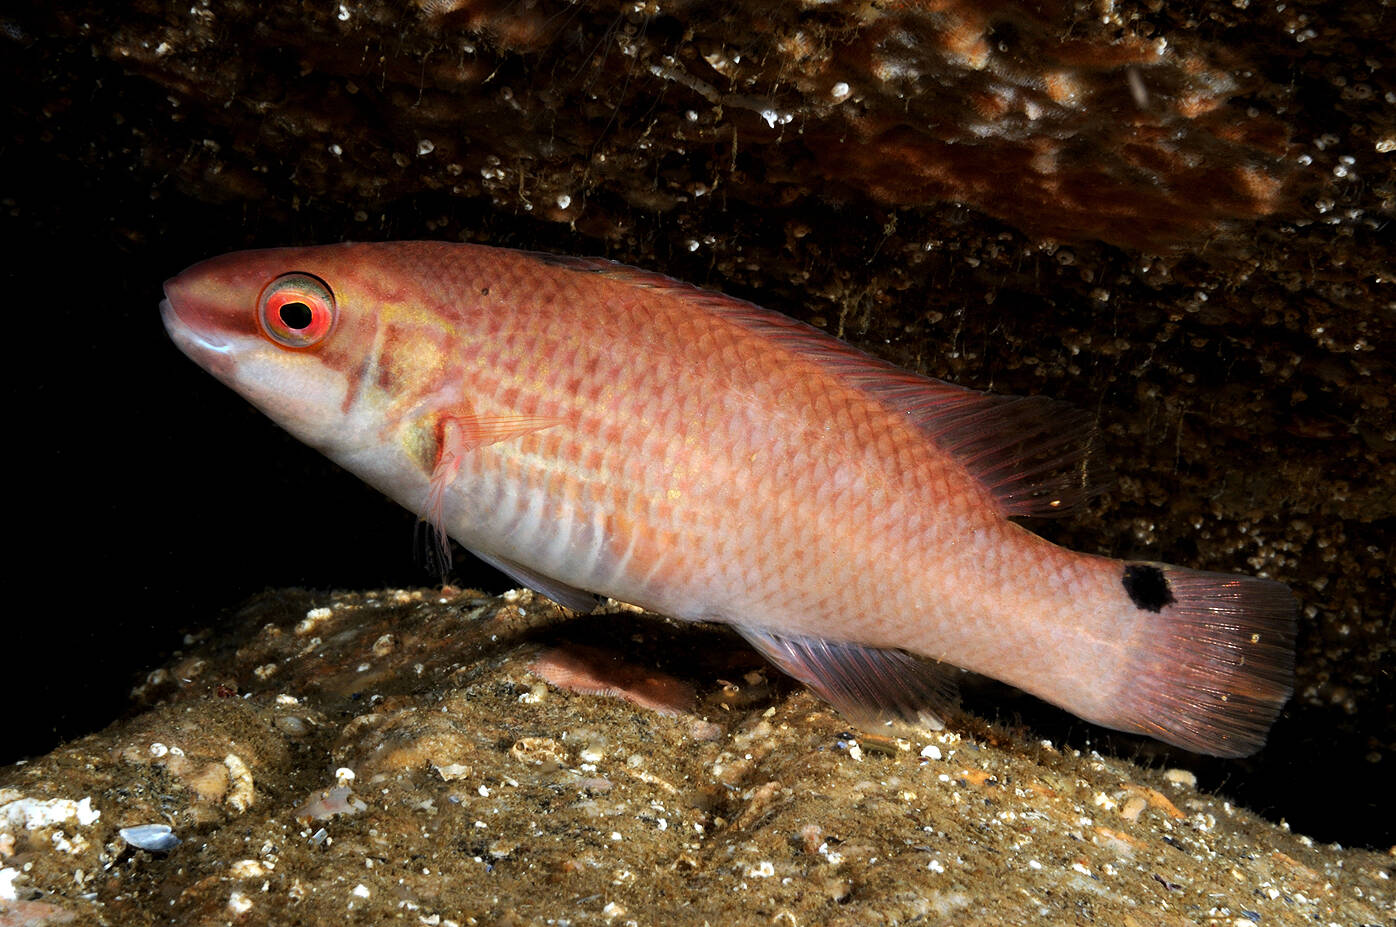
x: 1147, y: 587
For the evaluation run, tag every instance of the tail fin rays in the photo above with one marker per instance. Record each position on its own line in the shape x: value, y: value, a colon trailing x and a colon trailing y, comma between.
x: 1216, y: 666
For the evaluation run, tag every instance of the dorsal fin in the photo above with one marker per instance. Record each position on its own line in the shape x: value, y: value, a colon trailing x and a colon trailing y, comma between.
x: 1028, y: 451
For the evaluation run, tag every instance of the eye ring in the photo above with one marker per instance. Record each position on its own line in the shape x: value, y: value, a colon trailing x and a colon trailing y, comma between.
x: 296, y: 310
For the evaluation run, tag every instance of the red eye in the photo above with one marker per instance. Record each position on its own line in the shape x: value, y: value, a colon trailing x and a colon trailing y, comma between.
x: 296, y: 310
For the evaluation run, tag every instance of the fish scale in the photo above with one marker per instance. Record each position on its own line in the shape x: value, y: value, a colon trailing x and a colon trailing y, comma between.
x: 592, y: 428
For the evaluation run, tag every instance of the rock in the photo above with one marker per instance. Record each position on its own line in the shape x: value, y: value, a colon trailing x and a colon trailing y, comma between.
x: 781, y: 817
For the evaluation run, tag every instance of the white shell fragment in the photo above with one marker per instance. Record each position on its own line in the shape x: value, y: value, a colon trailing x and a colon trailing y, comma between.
x: 243, y: 792
x: 155, y: 838
x: 34, y: 813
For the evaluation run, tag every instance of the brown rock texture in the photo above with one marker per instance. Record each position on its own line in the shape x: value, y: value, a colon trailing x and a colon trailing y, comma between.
x: 388, y: 756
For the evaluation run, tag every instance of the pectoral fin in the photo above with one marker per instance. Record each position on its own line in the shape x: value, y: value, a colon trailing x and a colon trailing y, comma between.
x: 458, y: 433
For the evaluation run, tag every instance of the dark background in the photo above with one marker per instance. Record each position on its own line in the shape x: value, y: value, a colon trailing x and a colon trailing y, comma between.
x: 1204, y: 270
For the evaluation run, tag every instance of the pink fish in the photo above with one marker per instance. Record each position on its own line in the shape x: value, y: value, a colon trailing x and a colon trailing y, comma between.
x: 587, y: 427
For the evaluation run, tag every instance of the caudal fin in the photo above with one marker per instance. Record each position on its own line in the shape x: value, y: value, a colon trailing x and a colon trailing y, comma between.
x: 1216, y: 664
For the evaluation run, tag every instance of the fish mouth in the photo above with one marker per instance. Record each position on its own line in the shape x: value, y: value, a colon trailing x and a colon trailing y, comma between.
x: 188, y: 324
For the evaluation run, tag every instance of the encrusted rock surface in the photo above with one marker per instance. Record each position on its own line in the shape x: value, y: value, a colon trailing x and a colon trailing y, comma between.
x: 389, y: 757
x: 1108, y: 130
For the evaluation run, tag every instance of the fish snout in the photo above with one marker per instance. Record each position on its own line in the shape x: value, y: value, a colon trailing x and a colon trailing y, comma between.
x: 191, y: 318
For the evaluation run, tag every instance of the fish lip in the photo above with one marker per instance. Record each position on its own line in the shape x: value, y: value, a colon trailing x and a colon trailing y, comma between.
x: 183, y: 327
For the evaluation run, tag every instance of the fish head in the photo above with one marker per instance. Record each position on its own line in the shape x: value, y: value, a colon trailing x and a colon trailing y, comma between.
x: 295, y: 331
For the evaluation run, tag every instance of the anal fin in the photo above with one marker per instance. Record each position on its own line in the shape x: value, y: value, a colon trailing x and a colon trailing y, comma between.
x: 868, y: 685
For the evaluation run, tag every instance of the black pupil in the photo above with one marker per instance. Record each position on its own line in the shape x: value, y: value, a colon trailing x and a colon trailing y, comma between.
x: 296, y: 316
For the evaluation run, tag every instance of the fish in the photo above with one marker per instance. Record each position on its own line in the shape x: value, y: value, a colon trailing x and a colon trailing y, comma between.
x: 593, y: 429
